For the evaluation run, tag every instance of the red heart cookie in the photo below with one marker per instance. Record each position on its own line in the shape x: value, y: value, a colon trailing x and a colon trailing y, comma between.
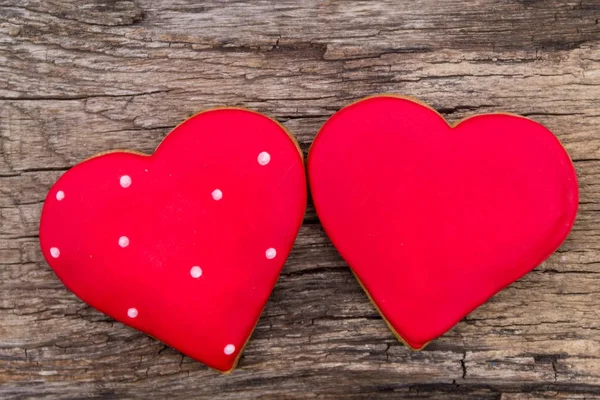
x: 435, y: 219
x: 186, y: 244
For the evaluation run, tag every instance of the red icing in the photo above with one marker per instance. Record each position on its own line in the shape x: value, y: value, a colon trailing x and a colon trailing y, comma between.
x: 173, y: 223
x: 434, y: 220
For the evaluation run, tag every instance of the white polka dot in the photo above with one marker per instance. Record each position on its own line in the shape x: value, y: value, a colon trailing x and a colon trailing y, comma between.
x: 60, y: 195
x: 54, y: 252
x: 125, y: 181
x: 132, y: 312
x: 229, y: 349
x: 217, y: 194
x: 271, y: 253
x: 123, y: 241
x: 196, y: 272
x: 264, y: 158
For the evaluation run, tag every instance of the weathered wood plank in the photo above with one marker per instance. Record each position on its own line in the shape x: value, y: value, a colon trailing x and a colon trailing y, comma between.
x: 78, y: 78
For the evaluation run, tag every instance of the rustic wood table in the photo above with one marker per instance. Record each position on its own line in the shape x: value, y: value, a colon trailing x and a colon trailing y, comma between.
x: 82, y: 77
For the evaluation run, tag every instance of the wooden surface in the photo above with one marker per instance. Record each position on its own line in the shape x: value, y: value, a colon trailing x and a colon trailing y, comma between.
x: 81, y: 77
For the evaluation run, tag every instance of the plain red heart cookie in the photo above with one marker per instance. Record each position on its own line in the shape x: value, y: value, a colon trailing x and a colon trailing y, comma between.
x: 186, y: 244
x: 435, y: 219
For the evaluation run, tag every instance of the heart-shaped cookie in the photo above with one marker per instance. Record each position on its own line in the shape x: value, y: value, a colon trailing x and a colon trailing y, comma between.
x: 435, y: 219
x: 186, y: 244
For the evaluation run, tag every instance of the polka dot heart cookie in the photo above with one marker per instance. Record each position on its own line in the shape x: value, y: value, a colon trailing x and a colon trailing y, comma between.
x: 185, y: 244
x: 435, y: 219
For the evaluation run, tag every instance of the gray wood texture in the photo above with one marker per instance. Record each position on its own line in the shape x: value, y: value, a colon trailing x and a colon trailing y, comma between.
x: 81, y: 77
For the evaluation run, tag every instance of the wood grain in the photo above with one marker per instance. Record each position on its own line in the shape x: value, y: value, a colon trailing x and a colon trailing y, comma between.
x: 81, y: 77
